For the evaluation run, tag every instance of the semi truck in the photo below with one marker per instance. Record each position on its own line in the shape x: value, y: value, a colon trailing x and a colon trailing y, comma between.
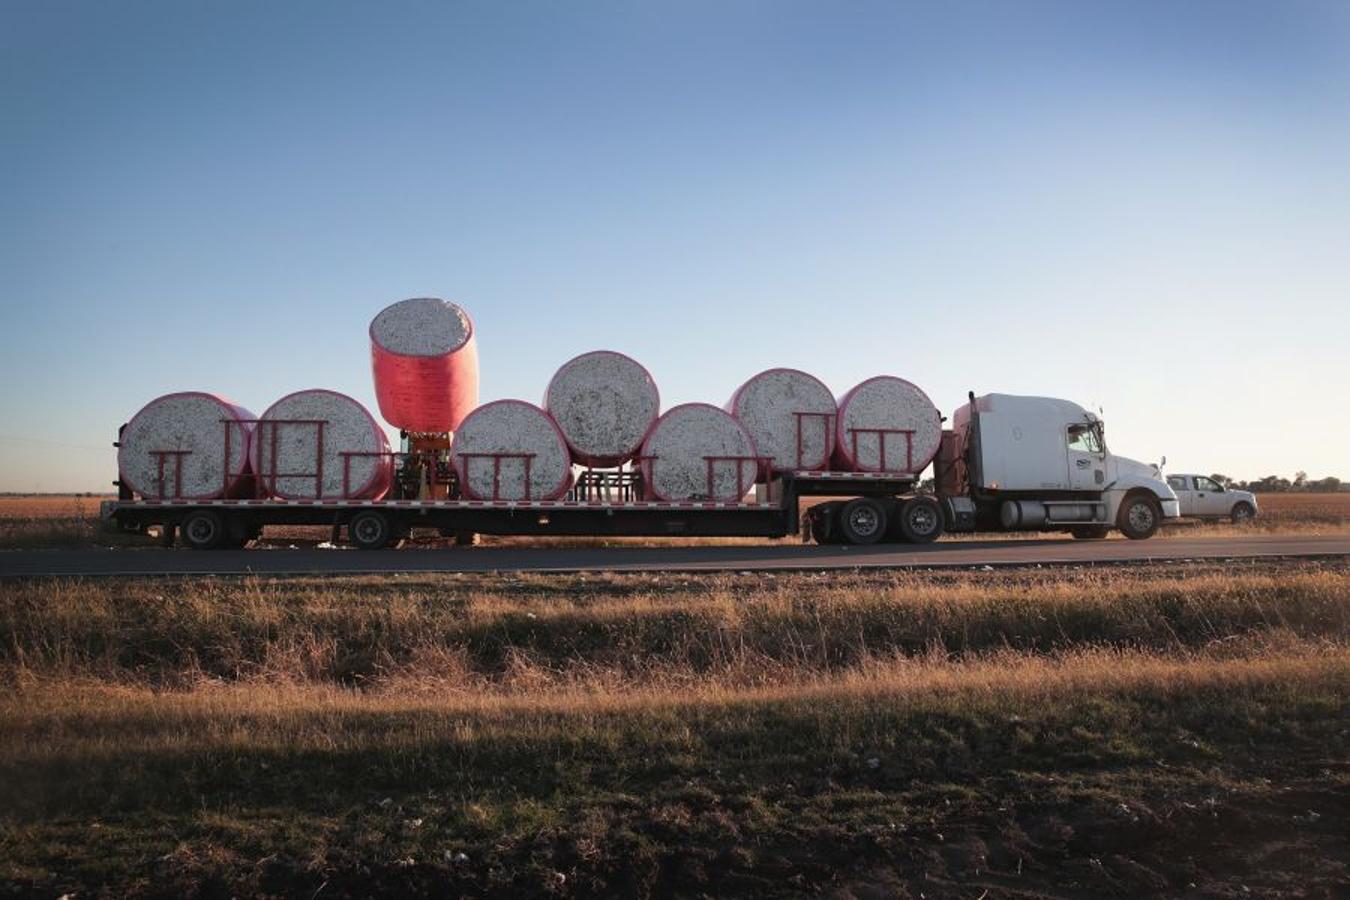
x: 1007, y: 463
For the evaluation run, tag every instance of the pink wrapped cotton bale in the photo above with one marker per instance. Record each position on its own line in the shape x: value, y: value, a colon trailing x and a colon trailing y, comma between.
x: 676, y: 455
x: 176, y: 447
x: 499, y: 442
x: 604, y: 403
x: 346, y: 457
x: 425, y: 362
x: 890, y: 413
x: 790, y: 415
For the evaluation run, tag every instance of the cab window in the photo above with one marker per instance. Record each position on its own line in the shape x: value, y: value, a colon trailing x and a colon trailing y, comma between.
x: 1084, y: 439
x: 1176, y: 482
x: 1206, y: 484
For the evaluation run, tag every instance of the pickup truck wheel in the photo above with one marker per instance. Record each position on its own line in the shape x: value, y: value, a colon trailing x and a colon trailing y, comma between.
x: 203, y: 529
x: 1089, y: 532
x: 921, y: 520
x: 862, y: 521
x: 1242, y: 513
x: 1139, y: 517
x: 370, y: 530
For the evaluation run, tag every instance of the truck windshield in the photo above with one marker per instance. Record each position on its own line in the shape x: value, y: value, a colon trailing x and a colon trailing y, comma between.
x: 1085, y: 438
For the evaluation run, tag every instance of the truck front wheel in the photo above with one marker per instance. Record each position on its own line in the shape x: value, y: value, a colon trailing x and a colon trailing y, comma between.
x: 1139, y: 517
x: 862, y: 521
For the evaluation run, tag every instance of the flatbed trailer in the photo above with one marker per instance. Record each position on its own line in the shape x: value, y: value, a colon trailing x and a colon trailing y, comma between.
x: 881, y: 503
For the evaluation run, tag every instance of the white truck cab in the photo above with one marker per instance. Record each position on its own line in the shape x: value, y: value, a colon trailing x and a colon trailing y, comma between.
x: 1204, y: 498
x: 1039, y: 463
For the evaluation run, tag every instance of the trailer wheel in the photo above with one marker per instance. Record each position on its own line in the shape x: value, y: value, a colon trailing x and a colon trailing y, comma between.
x: 1139, y: 517
x: 370, y: 529
x: 862, y: 521
x: 921, y: 520
x: 203, y: 529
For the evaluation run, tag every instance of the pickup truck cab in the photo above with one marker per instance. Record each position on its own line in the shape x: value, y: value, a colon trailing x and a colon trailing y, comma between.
x: 1204, y: 498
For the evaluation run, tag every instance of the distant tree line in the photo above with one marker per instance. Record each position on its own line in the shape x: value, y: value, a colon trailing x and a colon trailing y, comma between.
x: 1276, y: 484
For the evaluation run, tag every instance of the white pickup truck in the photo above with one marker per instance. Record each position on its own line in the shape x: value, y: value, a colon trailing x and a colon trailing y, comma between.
x: 1204, y: 498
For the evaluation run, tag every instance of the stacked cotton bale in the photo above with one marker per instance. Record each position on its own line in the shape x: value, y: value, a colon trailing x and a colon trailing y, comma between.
x: 604, y: 403
x: 425, y: 362
x: 675, y: 464
x: 893, y: 405
x: 354, y: 462
x: 490, y: 449
x: 791, y: 417
x: 176, y: 447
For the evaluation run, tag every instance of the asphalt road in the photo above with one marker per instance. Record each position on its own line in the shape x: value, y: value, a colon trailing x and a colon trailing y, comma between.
x: 21, y: 563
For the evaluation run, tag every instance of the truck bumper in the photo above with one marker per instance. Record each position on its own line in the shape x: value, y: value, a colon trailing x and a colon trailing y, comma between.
x: 1171, y: 509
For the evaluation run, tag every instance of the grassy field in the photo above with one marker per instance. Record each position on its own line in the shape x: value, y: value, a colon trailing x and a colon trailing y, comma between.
x: 1076, y: 733
x: 70, y: 522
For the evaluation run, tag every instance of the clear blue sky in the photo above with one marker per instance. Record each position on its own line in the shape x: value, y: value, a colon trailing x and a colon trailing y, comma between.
x: 1144, y: 207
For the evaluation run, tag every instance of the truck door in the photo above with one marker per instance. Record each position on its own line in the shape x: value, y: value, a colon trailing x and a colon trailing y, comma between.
x: 1209, y: 498
x: 1185, y: 496
x: 1087, y: 458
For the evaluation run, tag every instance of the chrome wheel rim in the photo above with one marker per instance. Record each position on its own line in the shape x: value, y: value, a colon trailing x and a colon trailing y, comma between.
x: 922, y: 519
x: 864, y: 520
x: 1141, y: 516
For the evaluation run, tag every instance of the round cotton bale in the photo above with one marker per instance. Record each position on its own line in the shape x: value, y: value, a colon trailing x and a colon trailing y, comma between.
x: 605, y: 403
x: 287, y: 446
x: 675, y: 462
x: 425, y: 362
x: 790, y: 414
x: 491, y: 447
x: 175, y: 447
x: 895, y: 406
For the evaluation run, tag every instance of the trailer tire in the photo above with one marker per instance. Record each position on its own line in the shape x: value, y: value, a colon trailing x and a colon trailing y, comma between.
x: 370, y: 529
x: 1139, y: 517
x: 921, y: 520
x: 862, y: 521
x: 203, y: 529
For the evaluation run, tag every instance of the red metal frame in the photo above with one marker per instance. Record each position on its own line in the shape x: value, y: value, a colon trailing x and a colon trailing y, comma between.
x: 828, y: 419
x: 740, y: 461
x: 262, y: 485
x: 178, y: 455
x: 881, y: 449
x: 497, y: 469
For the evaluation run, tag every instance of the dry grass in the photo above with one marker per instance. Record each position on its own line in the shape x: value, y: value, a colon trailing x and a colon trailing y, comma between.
x: 455, y: 635
x: 1016, y: 733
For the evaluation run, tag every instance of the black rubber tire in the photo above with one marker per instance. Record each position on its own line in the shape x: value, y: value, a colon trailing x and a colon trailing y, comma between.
x: 203, y: 529
x: 1242, y: 513
x: 820, y: 526
x: 862, y: 521
x: 370, y: 529
x: 1089, y: 532
x: 1139, y: 517
x: 921, y: 520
